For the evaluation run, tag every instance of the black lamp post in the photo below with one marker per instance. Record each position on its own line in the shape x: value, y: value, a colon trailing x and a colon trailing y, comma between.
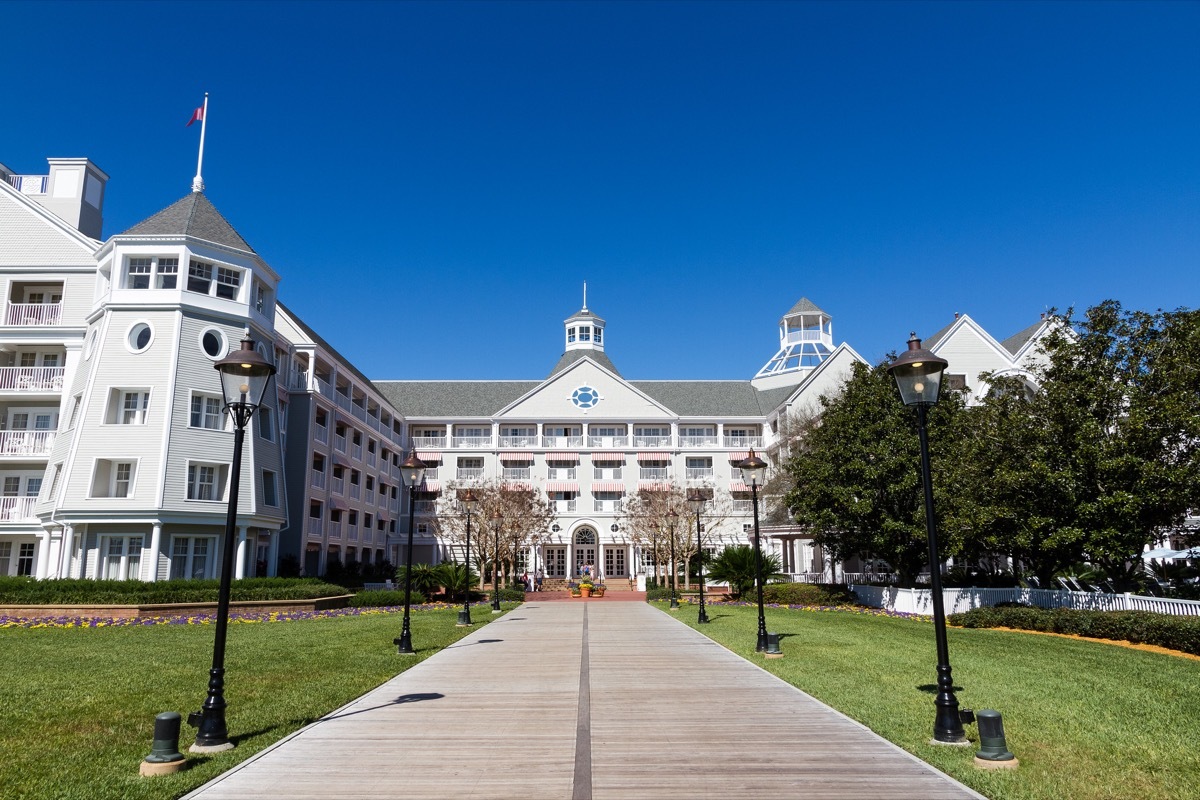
x: 469, y: 502
x: 696, y: 499
x: 674, y: 517
x: 412, y: 472
x: 245, y: 376
x: 755, y: 469
x: 497, y: 524
x: 918, y: 375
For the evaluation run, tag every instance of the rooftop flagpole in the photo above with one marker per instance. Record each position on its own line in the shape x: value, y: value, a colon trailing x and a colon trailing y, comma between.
x: 198, y: 181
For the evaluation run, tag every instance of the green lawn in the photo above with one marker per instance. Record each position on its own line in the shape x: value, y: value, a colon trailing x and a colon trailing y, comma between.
x: 78, y: 711
x: 1087, y: 720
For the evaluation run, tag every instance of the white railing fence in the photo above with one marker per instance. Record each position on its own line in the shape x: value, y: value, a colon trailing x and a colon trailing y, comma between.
x: 955, y: 601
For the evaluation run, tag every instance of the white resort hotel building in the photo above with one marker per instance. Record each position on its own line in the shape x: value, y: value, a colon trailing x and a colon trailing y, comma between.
x: 115, y: 451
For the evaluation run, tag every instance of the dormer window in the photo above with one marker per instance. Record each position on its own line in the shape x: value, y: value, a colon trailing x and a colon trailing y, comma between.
x: 570, y: 334
x: 159, y: 271
x: 199, y: 277
x: 228, y: 281
x: 201, y: 280
x: 599, y: 335
x: 585, y: 334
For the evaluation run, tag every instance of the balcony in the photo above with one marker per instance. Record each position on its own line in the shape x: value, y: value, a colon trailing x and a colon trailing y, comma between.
x: 26, y: 443
x: 469, y: 473
x: 518, y: 441
x: 339, y: 442
x: 561, y: 473
x: 562, y: 441
x: 515, y: 473
x: 743, y: 442
x: 342, y: 400
x: 601, y: 442
x: 316, y: 527
x: 564, y: 506
x: 602, y: 474
x: 352, y: 533
x: 743, y: 506
x: 709, y: 440
x: 16, y: 509
x: 317, y: 479
x: 33, y: 314
x: 654, y: 473
x: 608, y: 506
x: 430, y: 442
x: 651, y: 441
x: 425, y: 508
x: 338, y: 485
x: 355, y: 491
x: 699, y: 473
x: 335, y: 530
x: 371, y: 496
x: 372, y: 459
x: 31, y: 379
x: 322, y: 435
x: 356, y: 450
x: 469, y: 442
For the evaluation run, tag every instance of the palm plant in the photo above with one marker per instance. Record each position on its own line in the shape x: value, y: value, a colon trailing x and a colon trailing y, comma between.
x: 456, y: 578
x: 736, y: 567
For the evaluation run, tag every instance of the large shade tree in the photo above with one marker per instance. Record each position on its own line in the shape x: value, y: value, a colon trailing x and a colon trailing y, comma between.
x: 515, y: 515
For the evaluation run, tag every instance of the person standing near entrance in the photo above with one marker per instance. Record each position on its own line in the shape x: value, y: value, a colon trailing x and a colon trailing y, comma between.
x: 537, y: 580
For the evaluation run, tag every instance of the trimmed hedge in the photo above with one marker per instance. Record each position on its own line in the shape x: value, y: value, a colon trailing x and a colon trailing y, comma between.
x: 1140, y: 627
x: 71, y: 591
x: 508, y: 595
x: 378, y: 598
x: 808, y: 594
x: 663, y: 593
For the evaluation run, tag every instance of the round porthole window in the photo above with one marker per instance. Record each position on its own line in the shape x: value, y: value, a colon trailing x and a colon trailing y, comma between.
x: 140, y: 337
x: 585, y: 397
x: 212, y: 341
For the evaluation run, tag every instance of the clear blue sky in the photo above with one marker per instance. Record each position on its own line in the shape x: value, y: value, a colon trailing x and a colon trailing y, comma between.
x: 435, y: 181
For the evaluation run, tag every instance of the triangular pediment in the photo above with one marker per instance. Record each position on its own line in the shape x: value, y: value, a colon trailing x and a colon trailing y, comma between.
x: 565, y: 396
x: 32, y: 236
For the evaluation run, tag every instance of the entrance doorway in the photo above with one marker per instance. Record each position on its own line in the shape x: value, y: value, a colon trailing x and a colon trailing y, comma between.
x: 585, y: 551
x: 556, y: 562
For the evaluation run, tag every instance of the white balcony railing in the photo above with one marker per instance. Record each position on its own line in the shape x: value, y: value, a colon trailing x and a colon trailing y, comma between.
x: 428, y: 441
x: 33, y: 314
x: 561, y: 473
x: 322, y: 435
x: 610, y: 474
x: 356, y: 450
x: 743, y: 506
x: 370, y: 498
x: 323, y: 387
x: 355, y: 491
x: 338, y: 485
x: 608, y: 441
x: 518, y: 441
x: 651, y: 441
x: 743, y: 442
x: 699, y: 473
x: 335, y: 530
x: 318, y: 478
x: 515, y: 473
x: 13, y: 509
x: 352, y: 533
x: 339, y: 442
x: 562, y: 441
x: 425, y: 507
x: 472, y: 441
x: 469, y: 473
x: 316, y: 526
x: 26, y: 443
x: 342, y: 400
x: 372, y: 459
x: 564, y: 506
x: 31, y: 379
x: 608, y: 506
x: 698, y: 441
x: 654, y: 473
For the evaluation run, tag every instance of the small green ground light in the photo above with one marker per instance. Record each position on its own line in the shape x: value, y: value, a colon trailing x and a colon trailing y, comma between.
x: 993, y: 749
x: 164, y: 758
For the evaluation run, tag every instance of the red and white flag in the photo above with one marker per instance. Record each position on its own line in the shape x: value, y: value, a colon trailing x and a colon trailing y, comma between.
x: 197, y: 116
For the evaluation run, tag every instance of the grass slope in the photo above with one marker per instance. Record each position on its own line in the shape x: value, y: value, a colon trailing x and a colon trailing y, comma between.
x: 1088, y: 721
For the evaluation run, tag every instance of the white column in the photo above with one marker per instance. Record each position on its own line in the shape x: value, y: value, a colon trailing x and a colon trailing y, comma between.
x: 239, y: 568
x: 155, y: 548
x: 66, y: 551
x: 42, y: 568
x: 273, y: 555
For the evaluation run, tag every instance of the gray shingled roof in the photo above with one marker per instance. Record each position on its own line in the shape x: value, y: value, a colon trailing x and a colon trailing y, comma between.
x: 804, y: 306
x: 193, y: 216
x: 704, y: 398
x: 571, y: 356
x: 930, y: 342
x: 452, y: 398
x: 1018, y: 340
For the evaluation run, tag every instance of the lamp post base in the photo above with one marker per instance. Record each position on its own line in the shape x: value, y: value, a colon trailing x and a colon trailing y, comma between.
x: 703, y: 617
x: 404, y: 645
x: 464, y: 618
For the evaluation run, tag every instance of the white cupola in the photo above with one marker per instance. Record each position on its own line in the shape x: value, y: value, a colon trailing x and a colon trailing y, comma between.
x: 583, y: 329
x: 805, y: 340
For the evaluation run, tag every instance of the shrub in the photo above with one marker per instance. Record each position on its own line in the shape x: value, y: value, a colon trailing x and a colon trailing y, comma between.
x: 25, y: 591
x: 511, y: 595
x: 808, y: 594
x: 1142, y: 627
x: 377, y: 598
x: 661, y: 593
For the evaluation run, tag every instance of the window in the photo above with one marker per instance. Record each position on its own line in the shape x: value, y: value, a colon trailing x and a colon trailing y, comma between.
x: 12, y: 486
x: 190, y: 557
x: 599, y: 335
x: 139, y: 337
x: 199, y: 277
x: 570, y: 334
x: 168, y: 273
x: 33, y: 486
x: 127, y: 406
x: 228, y: 281
x: 266, y: 426
x: 122, y: 558
x: 207, y: 412
x: 111, y: 478
x: 139, y: 273
x: 956, y: 383
x: 270, y: 494
x: 5, y: 557
x: 25, y: 559
x: 206, y: 481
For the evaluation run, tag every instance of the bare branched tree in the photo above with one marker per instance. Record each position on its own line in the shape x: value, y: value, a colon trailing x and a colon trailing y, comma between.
x: 654, y: 516
x: 515, y: 515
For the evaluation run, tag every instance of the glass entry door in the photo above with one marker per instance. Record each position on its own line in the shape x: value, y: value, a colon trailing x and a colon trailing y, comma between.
x: 556, y: 562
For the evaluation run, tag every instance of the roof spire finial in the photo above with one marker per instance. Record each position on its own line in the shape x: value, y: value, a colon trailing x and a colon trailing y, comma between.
x: 585, y: 295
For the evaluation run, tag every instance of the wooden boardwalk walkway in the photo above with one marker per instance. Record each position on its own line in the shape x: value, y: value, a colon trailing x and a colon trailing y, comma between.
x: 584, y: 701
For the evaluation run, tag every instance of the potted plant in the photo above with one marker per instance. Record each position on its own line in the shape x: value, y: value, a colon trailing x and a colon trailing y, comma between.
x: 586, y: 586
x: 573, y: 588
x: 598, y: 590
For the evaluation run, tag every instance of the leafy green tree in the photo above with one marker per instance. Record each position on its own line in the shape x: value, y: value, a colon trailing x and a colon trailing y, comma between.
x: 736, y: 567
x: 856, y: 473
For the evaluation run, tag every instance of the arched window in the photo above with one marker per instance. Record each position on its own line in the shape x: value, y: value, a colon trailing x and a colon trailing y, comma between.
x: 585, y: 536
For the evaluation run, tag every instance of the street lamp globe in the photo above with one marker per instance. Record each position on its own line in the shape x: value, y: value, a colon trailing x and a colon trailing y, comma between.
x: 245, y: 375
x: 918, y: 374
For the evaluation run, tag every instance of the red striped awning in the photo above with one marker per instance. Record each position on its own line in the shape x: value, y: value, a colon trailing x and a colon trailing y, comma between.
x: 568, y: 457
x: 562, y: 486
x: 429, y: 456
x: 741, y: 455
x: 340, y: 458
x: 608, y: 486
x: 516, y: 486
x: 526, y: 457
x: 608, y: 458
x: 653, y: 486
x: 738, y: 486
x: 654, y: 457
x: 428, y: 486
x: 338, y: 503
